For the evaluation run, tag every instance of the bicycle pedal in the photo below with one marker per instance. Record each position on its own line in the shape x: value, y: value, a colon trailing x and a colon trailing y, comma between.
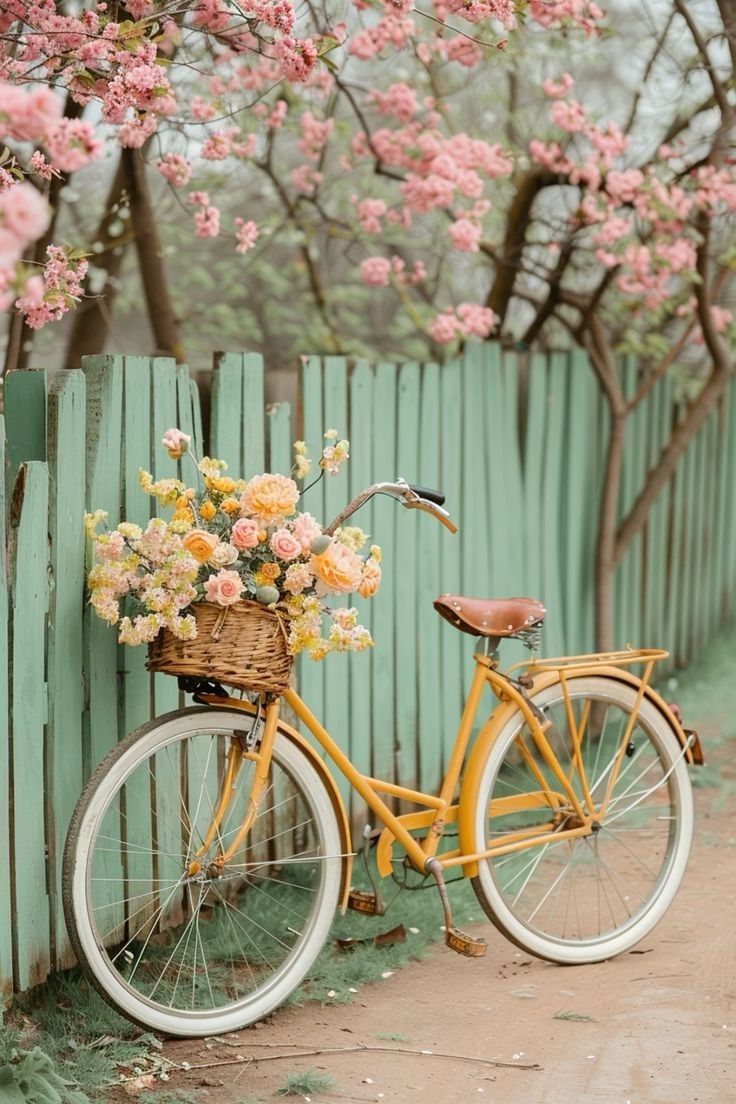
x: 362, y: 900
x: 465, y: 944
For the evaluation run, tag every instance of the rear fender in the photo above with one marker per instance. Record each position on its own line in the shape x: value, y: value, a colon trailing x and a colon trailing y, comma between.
x: 506, y: 710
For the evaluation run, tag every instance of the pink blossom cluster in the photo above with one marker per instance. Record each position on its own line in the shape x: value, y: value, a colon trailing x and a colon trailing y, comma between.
x: 475, y: 11
x: 466, y: 320
x: 642, y: 222
x: 175, y: 168
x: 314, y: 134
x: 207, y: 218
x: 46, y: 298
x: 246, y: 235
x: 556, y: 13
x: 378, y: 271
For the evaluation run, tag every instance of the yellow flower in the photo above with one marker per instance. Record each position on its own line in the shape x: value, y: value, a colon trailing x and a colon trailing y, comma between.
x: 262, y: 536
x: 230, y: 506
x: 200, y: 544
x: 184, y: 499
x: 211, y: 467
x: 223, y: 484
x: 183, y: 515
x: 207, y: 510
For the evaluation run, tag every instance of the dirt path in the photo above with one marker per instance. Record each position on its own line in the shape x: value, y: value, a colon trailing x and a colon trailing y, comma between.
x: 662, y: 1027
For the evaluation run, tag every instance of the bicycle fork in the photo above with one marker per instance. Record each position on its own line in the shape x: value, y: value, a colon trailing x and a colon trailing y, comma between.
x: 237, y: 753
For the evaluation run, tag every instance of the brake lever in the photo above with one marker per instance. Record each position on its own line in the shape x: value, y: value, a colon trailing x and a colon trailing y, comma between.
x: 427, y: 507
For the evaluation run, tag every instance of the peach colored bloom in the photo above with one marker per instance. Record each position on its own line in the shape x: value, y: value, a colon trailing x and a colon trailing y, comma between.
x: 338, y: 569
x: 224, y: 588
x: 298, y: 577
x: 285, y: 545
x: 371, y: 580
x: 244, y: 533
x: 270, y: 497
x: 200, y: 544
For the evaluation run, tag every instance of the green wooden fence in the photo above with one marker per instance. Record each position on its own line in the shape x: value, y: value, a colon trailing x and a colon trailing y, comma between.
x: 517, y: 446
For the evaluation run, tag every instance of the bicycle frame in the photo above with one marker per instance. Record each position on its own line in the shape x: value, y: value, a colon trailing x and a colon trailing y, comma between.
x: 444, y: 808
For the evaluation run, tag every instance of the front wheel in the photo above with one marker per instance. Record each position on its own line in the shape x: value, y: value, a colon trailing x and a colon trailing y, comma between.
x: 588, y: 898
x: 170, y: 940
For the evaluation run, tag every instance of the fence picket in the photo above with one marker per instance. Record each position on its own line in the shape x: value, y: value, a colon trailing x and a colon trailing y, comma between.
x: 29, y: 542
x: 6, y: 941
x: 405, y: 594
x: 362, y: 471
x: 64, y: 768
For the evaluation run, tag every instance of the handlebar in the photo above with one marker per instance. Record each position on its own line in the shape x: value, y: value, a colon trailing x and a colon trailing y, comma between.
x: 411, y: 497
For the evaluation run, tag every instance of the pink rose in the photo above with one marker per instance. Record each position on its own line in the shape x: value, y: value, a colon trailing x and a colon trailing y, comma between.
x: 285, y: 545
x: 224, y: 588
x: 305, y: 529
x: 244, y: 533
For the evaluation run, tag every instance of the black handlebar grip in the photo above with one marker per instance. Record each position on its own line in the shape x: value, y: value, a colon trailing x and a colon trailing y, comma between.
x: 431, y: 496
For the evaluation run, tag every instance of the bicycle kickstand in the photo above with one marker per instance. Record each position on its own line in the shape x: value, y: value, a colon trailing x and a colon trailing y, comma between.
x: 455, y: 939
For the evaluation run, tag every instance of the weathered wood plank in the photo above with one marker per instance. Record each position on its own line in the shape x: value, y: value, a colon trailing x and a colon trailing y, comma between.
x: 64, y: 768
x: 405, y: 591
x: 361, y: 473
x: 166, y: 695
x: 452, y: 647
x: 311, y: 675
x: 136, y: 704
x: 430, y: 536
x: 336, y: 496
x: 550, y: 535
x: 226, y: 419
x: 6, y: 943
x: 385, y: 520
x: 24, y: 407
x: 253, y: 425
x: 104, y: 391
x: 29, y: 540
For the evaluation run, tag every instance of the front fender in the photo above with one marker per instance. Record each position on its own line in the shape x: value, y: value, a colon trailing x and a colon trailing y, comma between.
x: 320, y: 766
x: 506, y: 710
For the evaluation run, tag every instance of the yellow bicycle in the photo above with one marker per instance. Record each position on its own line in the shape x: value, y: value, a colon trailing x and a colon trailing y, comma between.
x: 211, y: 848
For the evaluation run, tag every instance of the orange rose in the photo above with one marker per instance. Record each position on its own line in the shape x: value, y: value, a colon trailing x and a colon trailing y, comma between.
x: 230, y: 506
x: 338, y: 569
x: 207, y: 510
x: 270, y: 571
x: 200, y: 544
x: 270, y: 497
x: 371, y: 580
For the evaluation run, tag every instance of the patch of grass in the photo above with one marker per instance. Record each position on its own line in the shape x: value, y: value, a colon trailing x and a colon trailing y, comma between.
x: 305, y: 1083
x: 392, y: 1036
x: 87, y: 1042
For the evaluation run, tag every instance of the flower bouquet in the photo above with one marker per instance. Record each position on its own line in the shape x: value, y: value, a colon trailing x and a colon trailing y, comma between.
x: 233, y: 584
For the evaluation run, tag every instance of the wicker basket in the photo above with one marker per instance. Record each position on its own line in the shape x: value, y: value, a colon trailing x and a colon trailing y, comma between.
x: 242, y: 645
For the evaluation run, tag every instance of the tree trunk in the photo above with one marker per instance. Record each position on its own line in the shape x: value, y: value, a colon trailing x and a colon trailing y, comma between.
x: 163, y: 321
x: 605, y: 562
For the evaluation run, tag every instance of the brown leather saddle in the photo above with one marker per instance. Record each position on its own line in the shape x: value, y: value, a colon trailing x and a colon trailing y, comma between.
x: 492, y: 617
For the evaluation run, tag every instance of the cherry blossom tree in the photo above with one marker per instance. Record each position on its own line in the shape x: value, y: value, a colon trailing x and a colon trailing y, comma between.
x: 468, y: 169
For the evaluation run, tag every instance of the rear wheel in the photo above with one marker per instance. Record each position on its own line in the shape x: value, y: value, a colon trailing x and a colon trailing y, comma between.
x: 171, y: 942
x: 588, y: 898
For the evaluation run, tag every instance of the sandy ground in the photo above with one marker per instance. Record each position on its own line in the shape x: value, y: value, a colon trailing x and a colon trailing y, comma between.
x: 662, y: 1026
